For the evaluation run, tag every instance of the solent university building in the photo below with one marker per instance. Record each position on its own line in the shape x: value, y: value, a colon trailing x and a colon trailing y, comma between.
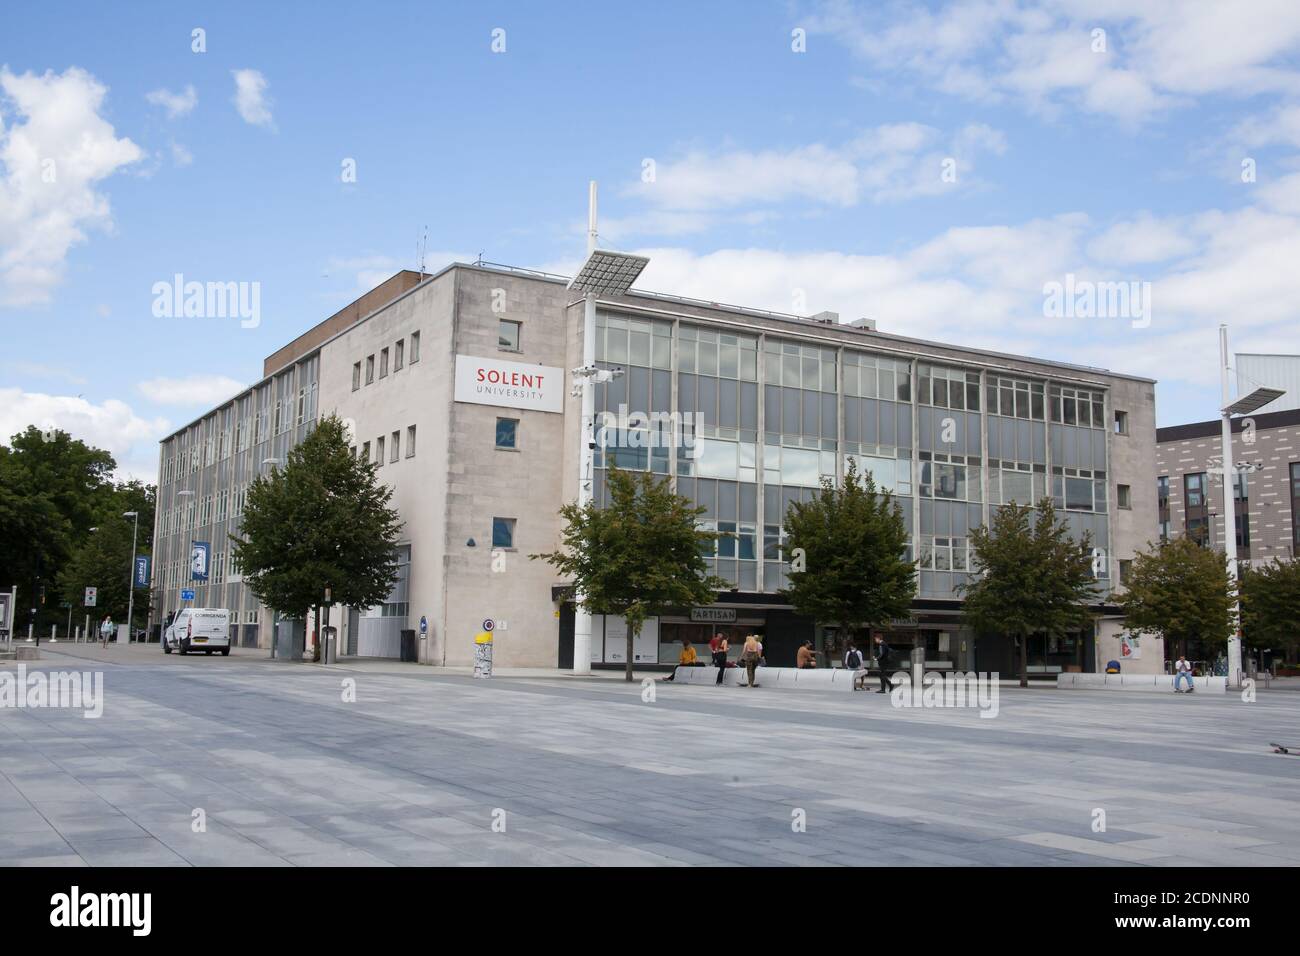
x: 458, y: 386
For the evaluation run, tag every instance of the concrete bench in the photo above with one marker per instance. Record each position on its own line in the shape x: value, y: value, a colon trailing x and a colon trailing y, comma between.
x: 838, y: 679
x: 1150, y: 683
x: 27, y: 653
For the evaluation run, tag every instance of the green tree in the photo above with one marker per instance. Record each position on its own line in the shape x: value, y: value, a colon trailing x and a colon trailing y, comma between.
x: 1030, y: 577
x: 1270, y: 605
x: 1182, y: 592
x: 851, y: 542
x: 638, y: 557
x: 53, y: 488
x: 323, y: 520
x: 103, y: 559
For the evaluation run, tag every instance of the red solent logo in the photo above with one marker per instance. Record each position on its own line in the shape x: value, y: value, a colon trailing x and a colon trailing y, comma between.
x: 493, y: 376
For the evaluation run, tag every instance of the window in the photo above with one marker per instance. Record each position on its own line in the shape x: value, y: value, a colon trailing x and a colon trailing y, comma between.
x: 700, y: 351
x: 379, y: 450
x: 890, y: 468
x: 503, y: 532
x: 507, y: 433
x: 1077, y: 406
x: 1125, y: 569
x: 1121, y: 422
x: 410, y: 441
x: 942, y: 553
x: 508, y: 335
x: 623, y: 340
x: 1124, y: 496
x: 793, y: 365
x: 365, y: 450
x: 1295, y: 506
x: 1018, y: 482
x: 950, y: 388
x: 383, y: 363
x: 370, y: 369
x: 870, y: 376
x: 395, y: 451
x: 951, y: 477
x: 415, y: 347
x: 1196, y: 513
x: 398, y: 351
x: 1077, y: 489
x: 1014, y: 398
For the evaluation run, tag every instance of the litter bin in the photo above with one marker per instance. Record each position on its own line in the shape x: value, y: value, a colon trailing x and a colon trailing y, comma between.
x: 409, y: 655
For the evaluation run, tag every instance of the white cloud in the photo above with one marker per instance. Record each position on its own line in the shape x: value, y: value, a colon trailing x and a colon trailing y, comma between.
x: 887, y: 163
x: 42, y: 370
x: 1158, y: 55
x: 176, y: 104
x: 1141, y: 240
x: 205, y: 390
x: 251, y: 99
x: 132, y: 440
x: 984, y: 286
x: 51, y: 161
x: 180, y: 155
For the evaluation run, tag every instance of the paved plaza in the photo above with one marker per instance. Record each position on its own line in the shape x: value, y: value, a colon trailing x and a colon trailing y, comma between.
x: 432, y: 768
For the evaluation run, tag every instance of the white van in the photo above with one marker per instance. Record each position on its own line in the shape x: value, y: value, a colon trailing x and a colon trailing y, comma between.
x: 205, y: 629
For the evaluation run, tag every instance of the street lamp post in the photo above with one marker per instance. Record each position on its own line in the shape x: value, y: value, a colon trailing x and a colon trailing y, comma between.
x: 1242, y: 406
x: 325, y: 628
x: 130, y: 601
x: 604, y: 273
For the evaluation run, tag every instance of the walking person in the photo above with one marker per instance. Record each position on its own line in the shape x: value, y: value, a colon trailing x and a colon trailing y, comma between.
x: 719, y: 647
x: 853, y: 663
x: 882, y: 661
x: 1183, y: 671
x: 751, y: 656
x: 105, y: 629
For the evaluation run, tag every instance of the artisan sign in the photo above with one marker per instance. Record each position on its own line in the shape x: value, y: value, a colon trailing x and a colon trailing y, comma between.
x: 713, y: 615
x: 483, y: 381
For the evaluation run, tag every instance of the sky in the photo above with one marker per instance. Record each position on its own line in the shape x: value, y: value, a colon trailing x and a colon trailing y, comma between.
x: 967, y: 171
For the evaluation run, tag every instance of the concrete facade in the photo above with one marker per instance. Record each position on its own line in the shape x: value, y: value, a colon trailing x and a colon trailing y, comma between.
x: 783, y: 399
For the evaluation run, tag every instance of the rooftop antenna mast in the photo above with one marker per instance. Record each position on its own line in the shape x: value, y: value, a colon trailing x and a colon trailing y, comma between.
x: 421, y: 248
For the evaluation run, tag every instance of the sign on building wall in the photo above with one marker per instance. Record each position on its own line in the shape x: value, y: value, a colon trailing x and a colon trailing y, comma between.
x: 713, y: 615
x: 199, y: 554
x: 645, y: 649
x: 482, y: 381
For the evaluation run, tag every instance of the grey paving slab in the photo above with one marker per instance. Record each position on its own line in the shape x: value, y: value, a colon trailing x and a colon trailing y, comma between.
x: 589, y: 774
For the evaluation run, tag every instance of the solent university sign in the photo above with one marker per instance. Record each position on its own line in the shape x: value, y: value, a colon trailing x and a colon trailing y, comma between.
x: 482, y: 381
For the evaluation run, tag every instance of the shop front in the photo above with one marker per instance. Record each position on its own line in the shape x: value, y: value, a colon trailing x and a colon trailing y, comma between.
x: 659, y: 645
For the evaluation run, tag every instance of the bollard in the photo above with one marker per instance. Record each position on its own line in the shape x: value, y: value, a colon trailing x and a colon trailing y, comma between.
x: 54, y: 633
x: 483, y: 654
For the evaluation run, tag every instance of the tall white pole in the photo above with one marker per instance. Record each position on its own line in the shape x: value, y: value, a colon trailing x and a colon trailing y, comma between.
x: 586, y: 476
x: 1230, y: 517
x: 130, y: 601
